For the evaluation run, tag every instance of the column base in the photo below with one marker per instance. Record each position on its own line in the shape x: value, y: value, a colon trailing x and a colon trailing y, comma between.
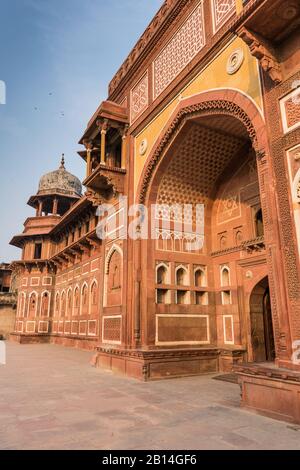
x: 29, y: 339
x: 229, y: 358
x: 150, y: 365
x: 87, y: 344
x: 270, y: 391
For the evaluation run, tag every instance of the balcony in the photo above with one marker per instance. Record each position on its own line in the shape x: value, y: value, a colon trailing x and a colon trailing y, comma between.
x: 106, y: 144
x: 8, y: 299
x: 256, y: 245
x: 108, y: 181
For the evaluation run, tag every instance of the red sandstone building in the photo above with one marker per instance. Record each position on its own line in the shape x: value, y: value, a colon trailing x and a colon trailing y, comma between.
x: 205, y: 110
x: 5, y: 278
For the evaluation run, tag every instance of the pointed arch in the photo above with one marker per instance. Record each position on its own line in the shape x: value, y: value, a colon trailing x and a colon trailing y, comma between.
x: 200, y: 278
x: 109, y: 255
x: 45, y: 303
x: 225, y: 276
x: 84, y: 298
x: 116, y: 292
x: 32, y: 304
x: 63, y: 304
x: 21, y: 304
x: 228, y: 102
x: 57, y: 304
x: 76, y: 300
x: 162, y: 273
x: 94, y: 295
x: 182, y: 275
x: 69, y: 301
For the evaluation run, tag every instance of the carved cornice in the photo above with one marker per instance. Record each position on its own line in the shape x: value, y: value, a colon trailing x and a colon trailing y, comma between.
x: 171, y: 353
x: 161, y: 21
x: 264, y: 52
x: 258, y: 371
x: 163, y: 354
x: 226, y: 251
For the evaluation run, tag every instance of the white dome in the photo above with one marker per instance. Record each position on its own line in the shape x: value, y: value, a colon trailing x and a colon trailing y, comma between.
x: 60, y: 182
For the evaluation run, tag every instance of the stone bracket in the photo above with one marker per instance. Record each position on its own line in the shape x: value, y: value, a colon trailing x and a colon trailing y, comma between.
x: 264, y: 52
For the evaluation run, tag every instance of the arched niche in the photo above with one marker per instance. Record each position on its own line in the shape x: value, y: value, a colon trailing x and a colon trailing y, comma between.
x: 69, y: 301
x: 45, y: 304
x: 84, y: 307
x: 63, y: 304
x: 94, y: 296
x: 113, y: 280
x: 32, y: 305
x: 76, y: 301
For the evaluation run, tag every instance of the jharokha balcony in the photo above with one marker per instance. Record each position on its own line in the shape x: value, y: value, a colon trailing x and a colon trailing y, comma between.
x: 105, y: 141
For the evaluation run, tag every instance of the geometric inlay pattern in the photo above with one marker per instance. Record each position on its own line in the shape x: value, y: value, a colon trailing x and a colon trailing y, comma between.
x: 139, y: 98
x: 182, y: 48
x: 112, y: 329
x: 193, y: 171
x: 222, y: 10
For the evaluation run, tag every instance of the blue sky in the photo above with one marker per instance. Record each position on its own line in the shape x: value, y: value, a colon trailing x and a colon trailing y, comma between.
x: 57, y: 56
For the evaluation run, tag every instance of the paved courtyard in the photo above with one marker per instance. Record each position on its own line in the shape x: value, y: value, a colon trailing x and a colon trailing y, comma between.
x: 51, y: 398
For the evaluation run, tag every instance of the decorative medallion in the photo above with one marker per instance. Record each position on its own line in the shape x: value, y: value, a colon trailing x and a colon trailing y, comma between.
x: 235, y: 61
x: 143, y: 147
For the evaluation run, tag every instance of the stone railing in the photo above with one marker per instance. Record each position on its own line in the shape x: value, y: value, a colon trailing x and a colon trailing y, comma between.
x: 8, y: 298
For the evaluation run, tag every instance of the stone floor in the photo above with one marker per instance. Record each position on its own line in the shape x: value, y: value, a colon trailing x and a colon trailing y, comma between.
x: 51, y: 398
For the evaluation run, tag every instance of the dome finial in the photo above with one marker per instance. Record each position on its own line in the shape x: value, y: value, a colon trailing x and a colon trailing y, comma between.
x: 62, y: 163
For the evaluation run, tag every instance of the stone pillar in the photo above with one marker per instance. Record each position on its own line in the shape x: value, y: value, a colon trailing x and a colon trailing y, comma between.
x: 88, y: 163
x: 104, y: 128
x: 89, y: 148
x: 40, y: 209
x: 124, y: 148
x: 55, y: 206
x: 137, y: 288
